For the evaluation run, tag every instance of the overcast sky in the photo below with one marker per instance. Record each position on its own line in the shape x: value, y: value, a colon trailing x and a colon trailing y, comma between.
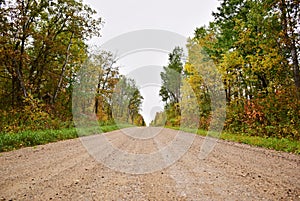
x: 120, y: 17
x: 182, y: 17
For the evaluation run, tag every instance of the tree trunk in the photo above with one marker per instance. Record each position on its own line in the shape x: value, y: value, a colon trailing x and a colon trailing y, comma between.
x: 63, y: 69
x: 290, y: 38
x: 295, y: 67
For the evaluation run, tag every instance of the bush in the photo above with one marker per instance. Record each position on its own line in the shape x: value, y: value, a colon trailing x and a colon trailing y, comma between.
x: 33, y: 115
x: 276, y: 115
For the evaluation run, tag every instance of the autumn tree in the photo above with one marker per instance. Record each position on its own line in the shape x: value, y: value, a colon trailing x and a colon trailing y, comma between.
x: 159, y: 119
x: 127, y: 102
x: 251, y: 43
x: 107, y: 78
x: 171, y: 82
x: 42, y: 47
x: 43, y: 39
x: 290, y: 24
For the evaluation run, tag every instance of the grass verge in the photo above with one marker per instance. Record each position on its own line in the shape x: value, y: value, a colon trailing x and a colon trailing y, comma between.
x: 12, y: 141
x: 283, y: 144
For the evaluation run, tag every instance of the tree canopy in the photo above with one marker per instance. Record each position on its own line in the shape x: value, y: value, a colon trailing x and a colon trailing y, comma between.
x: 255, y: 48
x: 42, y: 47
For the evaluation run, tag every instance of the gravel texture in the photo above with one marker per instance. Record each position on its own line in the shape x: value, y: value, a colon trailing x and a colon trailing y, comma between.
x: 77, y: 169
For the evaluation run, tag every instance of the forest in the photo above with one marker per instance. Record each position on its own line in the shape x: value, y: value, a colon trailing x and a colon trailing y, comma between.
x: 43, y: 46
x: 253, y: 44
x: 255, y: 47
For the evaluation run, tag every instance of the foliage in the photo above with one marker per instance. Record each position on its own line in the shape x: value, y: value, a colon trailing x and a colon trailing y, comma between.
x: 42, y: 48
x: 171, y: 83
x: 42, y: 52
x: 107, y: 76
x: 127, y: 102
x: 283, y: 144
x: 249, y: 47
x: 260, y: 118
x: 159, y: 119
x: 11, y: 141
x: 255, y: 48
x: 35, y: 115
x: 101, y: 94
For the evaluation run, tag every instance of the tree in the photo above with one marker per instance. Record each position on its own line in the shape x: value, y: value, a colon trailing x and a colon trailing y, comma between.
x: 43, y: 39
x: 107, y: 78
x: 134, y: 105
x: 159, y: 119
x: 290, y: 23
x: 254, y: 46
x: 127, y: 102
x: 42, y: 46
x: 171, y: 82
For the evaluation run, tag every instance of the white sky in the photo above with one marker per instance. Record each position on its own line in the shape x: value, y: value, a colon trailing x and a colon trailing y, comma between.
x: 181, y: 17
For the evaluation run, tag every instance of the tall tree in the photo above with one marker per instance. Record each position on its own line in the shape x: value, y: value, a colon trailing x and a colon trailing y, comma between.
x: 127, y: 102
x: 42, y: 46
x: 255, y: 46
x: 107, y: 78
x: 290, y: 23
x: 171, y: 81
x: 43, y: 39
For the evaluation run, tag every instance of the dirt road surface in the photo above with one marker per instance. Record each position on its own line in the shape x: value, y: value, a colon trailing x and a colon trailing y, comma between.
x: 67, y: 171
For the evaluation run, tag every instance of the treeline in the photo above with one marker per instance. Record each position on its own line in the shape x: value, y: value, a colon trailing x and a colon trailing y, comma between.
x: 254, y: 45
x: 42, y: 48
x: 101, y: 93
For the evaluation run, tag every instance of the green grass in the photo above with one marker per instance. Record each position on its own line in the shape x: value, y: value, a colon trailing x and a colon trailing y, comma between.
x: 283, y: 144
x: 12, y: 141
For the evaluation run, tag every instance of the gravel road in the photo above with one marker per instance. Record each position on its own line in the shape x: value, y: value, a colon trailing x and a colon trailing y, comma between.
x: 79, y: 169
